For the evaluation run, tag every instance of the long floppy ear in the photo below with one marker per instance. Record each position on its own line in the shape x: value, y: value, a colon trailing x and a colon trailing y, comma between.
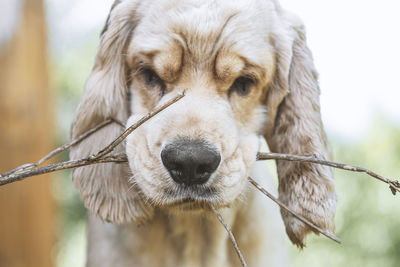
x: 104, y: 188
x: 295, y: 127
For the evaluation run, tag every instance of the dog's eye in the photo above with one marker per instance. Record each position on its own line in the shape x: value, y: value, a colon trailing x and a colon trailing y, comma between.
x: 242, y: 86
x: 151, y: 78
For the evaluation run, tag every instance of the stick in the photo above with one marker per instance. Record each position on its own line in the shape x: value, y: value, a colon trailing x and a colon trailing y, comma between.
x: 61, y: 166
x: 58, y: 150
x: 154, y: 112
x: 80, y: 138
x: 298, y: 216
x: 25, y: 170
x: 228, y: 229
x: 393, y: 185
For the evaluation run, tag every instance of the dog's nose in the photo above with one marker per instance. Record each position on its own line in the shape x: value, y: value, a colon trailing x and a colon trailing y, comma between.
x: 190, y: 162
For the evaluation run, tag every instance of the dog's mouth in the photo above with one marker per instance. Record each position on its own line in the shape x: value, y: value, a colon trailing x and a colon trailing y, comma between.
x: 188, y: 204
x: 195, y: 192
x: 190, y: 197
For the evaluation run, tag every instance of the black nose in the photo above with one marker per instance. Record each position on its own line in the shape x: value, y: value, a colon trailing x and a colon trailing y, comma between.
x: 190, y: 162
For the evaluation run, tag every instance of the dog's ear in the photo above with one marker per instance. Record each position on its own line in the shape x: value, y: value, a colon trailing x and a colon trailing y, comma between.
x: 104, y: 188
x: 295, y: 127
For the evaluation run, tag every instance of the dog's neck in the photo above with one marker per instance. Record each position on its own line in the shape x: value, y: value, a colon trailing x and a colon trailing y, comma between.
x: 193, y: 239
x: 175, y: 239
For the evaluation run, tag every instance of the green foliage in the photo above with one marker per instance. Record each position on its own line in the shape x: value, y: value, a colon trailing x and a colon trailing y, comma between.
x: 69, y: 69
x: 367, y: 217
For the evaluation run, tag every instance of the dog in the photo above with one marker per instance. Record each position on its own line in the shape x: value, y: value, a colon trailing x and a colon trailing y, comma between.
x: 247, y: 73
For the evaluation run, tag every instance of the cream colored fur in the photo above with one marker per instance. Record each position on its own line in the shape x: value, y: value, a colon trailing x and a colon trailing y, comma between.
x: 194, y: 239
x: 202, y: 47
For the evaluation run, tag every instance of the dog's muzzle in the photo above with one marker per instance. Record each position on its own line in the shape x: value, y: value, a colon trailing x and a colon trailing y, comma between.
x: 190, y: 162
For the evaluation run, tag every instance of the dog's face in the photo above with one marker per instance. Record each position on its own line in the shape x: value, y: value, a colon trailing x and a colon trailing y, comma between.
x: 246, y: 71
x: 201, y: 148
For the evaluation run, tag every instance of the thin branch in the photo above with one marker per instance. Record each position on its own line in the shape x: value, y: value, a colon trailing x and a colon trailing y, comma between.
x: 228, y: 229
x: 393, y: 185
x: 62, y: 166
x: 60, y: 149
x: 117, y: 141
x: 80, y: 138
x: 24, y: 169
x: 32, y: 169
x: 28, y: 170
x: 298, y: 216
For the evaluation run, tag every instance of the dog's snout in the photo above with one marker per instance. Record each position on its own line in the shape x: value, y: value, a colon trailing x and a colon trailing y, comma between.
x: 190, y: 162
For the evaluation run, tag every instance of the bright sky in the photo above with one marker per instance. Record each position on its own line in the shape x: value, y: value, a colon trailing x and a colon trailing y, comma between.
x: 356, y: 47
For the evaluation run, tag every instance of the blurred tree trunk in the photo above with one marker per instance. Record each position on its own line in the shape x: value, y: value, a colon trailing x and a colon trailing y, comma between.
x: 26, y: 208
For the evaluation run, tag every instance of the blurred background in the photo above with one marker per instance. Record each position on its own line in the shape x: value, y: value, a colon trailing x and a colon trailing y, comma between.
x: 47, y: 49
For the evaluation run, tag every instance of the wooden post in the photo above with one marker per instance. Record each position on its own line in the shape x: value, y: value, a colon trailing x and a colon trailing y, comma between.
x: 26, y: 208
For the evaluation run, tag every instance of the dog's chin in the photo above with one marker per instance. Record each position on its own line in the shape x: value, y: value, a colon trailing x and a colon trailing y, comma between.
x: 190, y: 206
x: 193, y: 199
x: 187, y: 205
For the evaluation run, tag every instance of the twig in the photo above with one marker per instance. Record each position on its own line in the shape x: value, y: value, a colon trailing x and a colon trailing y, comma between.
x: 117, y: 141
x: 228, y: 229
x: 80, y: 138
x: 62, y: 166
x: 393, y: 185
x: 32, y: 169
x: 27, y: 170
x: 11, y: 176
x: 58, y: 150
x: 298, y: 216
x: 24, y: 169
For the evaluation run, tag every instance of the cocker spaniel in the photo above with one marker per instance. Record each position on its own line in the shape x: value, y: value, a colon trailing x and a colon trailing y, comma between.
x: 247, y: 73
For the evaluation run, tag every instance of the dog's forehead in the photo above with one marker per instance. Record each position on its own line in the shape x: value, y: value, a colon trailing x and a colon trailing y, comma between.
x: 202, y: 28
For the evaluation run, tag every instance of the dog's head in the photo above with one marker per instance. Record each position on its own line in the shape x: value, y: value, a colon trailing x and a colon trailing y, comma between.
x: 246, y: 71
